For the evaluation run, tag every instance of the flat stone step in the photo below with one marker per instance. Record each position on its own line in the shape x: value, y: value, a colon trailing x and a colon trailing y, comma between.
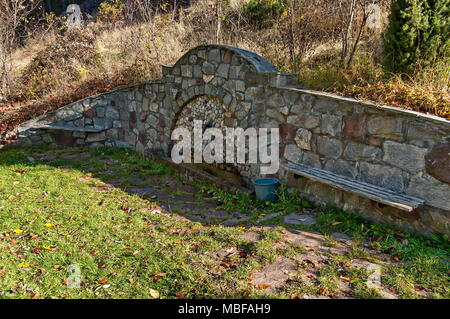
x: 376, y: 193
x: 70, y: 128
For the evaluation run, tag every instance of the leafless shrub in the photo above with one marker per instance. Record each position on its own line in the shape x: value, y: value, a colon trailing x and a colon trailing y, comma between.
x: 15, y: 22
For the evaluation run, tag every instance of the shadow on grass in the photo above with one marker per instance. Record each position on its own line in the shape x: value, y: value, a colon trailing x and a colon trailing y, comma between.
x: 109, y: 170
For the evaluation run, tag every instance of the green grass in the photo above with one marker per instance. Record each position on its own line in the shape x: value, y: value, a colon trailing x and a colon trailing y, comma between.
x: 62, y: 212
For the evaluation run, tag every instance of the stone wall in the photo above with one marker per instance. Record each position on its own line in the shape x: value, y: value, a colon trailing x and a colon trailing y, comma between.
x: 396, y: 149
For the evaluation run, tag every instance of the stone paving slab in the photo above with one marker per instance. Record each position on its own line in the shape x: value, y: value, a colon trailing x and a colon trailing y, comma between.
x: 251, y: 236
x: 275, y: 275
x: 303, y: 239
x: 296, y: 219
x: 267, y: 217
x: 305, y: 266
x: 241, y: 218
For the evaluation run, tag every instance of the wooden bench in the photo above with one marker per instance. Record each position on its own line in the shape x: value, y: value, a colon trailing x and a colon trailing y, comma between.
x: 376, y: 193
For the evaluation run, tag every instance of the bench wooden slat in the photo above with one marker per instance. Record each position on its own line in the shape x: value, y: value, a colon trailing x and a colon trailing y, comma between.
x: 376, y: 193
x: 69, y: 128
x: 375, y: 190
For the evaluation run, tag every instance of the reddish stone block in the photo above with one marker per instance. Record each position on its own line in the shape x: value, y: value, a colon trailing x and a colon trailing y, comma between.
x: 355, y: 126
x: 437, y: 162
x: 287, y: 133
x: 281, y: 149
x: 90, y: 113
x: 49, y: 117
x: 133, y: 117
x: 141, y: 138
x: 375, y: 141
x: 144, y: 116
x: 64, y: 140
x: 121, y: 133
x: 227, y: 57
x: 162, y: 123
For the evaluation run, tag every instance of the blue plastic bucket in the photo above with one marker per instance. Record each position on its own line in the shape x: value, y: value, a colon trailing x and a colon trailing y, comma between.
x: 266, y: 188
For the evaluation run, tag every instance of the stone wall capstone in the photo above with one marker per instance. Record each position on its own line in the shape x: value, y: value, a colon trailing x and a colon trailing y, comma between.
x: 400, y: 150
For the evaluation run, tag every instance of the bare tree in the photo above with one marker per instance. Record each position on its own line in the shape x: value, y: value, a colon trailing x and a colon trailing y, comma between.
x: 292, y: 46
x: 353, y: 14
x: 219, y: 20
x: 14, y: 22
x: 140, y: 10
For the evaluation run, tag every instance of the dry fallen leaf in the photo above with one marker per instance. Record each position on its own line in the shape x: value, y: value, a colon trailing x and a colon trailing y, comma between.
x: 180, y: 295
x: 344, y: 279
x: 323, y: 291
x: 158, y: 275
x: 154, y: 294
x: 262, y: 287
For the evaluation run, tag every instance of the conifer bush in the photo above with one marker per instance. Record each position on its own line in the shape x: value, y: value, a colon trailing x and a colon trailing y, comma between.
x: 417, y: 35
x: 265, y: 12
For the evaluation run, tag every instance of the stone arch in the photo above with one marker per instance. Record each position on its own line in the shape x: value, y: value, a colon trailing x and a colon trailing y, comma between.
x: 227, y: 54
x: 233, y: 76
x: 213, y: 113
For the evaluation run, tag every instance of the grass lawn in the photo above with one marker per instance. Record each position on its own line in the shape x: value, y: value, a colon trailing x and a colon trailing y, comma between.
x: 136, y: 230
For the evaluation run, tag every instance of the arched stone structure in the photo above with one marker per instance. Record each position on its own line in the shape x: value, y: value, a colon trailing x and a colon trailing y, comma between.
x: 399, y: 150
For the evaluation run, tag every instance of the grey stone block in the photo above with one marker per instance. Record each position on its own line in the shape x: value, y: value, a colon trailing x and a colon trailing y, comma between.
x: 186, y: 71
x: 100, y: 111
x: 234, y: 72
x: 436, y: 193
x: 382, y: 175
x: 197, y: 71
x: 209, y: 68
x: 290, y: 97
x: 293, y: 154
x: 329, y: 147
x: 303, y: 139
x: 331, y: 124
x: 296, y: 219
x: 342, y: 167
x: 311, y: 159
x: 405, y: 156
x: 275, y: 114
x: 385, y: 126
x: 358, y: 151
x: 192, y: 59
x: 96, y: 137
x: 223, y: 70
x: 304, y: 120
x: 423, y: 135
x: 255, y: 93
x: 214, y: 55
x: 325, y: 105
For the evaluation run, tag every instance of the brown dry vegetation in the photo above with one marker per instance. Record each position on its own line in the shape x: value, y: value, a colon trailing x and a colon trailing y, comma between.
x: 53, y: 69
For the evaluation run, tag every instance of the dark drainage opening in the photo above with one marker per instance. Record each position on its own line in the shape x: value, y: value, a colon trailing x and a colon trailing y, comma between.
x: 226, y: 172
